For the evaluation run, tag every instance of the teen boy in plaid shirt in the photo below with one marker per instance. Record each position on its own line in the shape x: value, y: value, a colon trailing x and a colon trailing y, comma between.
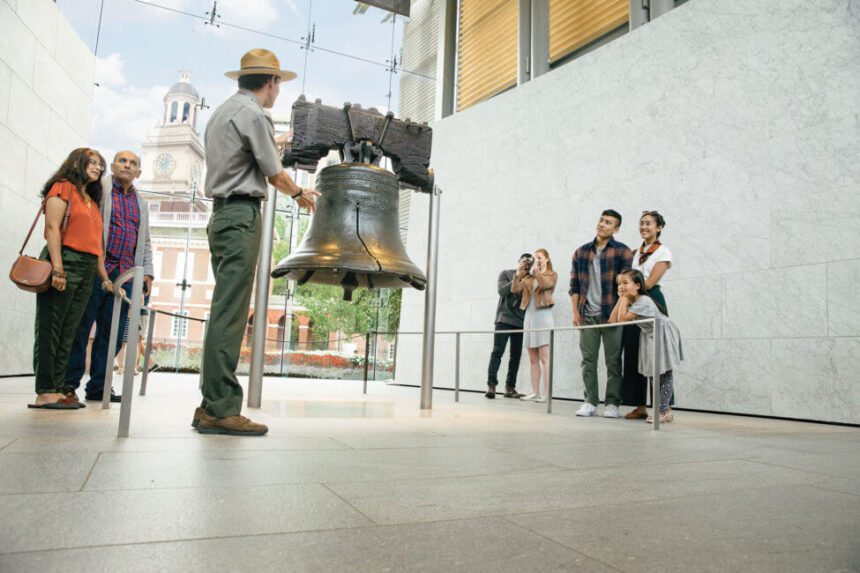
x: 593, y: 295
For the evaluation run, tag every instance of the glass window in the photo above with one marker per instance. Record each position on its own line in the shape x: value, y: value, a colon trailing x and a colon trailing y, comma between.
x: 186, y: 112
x: 573, y: 25
x: 487, y: 49
x: 174, y: 108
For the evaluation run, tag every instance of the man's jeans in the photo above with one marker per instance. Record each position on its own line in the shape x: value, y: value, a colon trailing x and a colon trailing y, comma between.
x: 589, y: 346
x: 99, y: 311
x: 500, y: 339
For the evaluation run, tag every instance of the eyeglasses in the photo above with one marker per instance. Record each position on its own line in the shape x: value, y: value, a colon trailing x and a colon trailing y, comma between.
x: 94, y: 161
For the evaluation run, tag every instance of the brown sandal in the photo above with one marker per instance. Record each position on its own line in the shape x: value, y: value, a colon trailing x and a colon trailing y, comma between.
x: 635, y: 415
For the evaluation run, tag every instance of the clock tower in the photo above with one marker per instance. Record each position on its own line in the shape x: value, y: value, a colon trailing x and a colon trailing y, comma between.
x: 173, y: 156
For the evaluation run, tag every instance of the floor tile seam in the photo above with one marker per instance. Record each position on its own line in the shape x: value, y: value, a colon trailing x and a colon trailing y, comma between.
x: 169, y: 489
x: 811, y: 472
x: 835, y: 490
x: 349, y: 504
x: 90, y: 473
x: 564, y: 545
x: 189, y: 540
x: 11, y: 441
x: 337, y: 441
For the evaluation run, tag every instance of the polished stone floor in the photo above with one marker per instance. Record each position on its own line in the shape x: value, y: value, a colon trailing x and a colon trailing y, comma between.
x: 346, y: 482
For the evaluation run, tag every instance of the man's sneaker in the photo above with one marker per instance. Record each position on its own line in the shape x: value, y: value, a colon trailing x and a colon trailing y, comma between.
x: 611, y: 411
x: 540, y: 399
x: 198, y: 413
x: 587, y: 409
x: 230, y: 426
x: 512, y: 393
x: 530, y: 397
x: 490, y: 393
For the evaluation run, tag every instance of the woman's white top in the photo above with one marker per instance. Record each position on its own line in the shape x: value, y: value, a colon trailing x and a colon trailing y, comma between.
x: 661, y: 255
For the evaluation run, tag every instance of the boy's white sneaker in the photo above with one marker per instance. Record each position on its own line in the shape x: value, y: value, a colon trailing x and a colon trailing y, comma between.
x: 587, y: 409
x: 530, y: 398
x: 611, y: 411
x: 541, y: 398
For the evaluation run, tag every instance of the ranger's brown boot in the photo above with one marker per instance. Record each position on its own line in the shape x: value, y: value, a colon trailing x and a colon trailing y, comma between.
x: 231, y: 426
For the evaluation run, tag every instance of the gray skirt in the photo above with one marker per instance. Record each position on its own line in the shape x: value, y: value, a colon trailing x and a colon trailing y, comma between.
x: 536, y: 318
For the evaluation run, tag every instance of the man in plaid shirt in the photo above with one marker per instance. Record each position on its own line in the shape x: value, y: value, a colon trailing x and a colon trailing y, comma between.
x: 593, y: 295
x: 127, y: 244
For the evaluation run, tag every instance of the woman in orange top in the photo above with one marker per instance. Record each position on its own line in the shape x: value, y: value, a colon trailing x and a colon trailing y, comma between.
x: 76, y: 253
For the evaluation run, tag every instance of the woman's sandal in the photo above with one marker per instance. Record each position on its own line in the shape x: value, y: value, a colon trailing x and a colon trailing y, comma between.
x: 62, y: 404
x: 664, y: 418
x: 636, y: 414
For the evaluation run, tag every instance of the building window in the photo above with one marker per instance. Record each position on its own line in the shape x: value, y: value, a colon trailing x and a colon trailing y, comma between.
x: 155, y: 291
x: 180, y: 326
x: 157, y: 262
x: 186, y: 112
x: 209, y: 293
x: 487, y: 49
x: 184, y: 263
x: 174, y: 108
x: 574, y: 25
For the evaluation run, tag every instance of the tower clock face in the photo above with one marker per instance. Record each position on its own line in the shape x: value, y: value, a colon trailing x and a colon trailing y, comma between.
x: 164, y: 164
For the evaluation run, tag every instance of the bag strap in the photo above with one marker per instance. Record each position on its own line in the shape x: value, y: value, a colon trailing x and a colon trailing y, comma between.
x: 36, y: 221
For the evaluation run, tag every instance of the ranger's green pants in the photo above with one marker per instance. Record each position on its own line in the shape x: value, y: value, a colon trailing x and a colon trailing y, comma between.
x: 589, y: 346
x: 234, y: 242
x: 58, y: 315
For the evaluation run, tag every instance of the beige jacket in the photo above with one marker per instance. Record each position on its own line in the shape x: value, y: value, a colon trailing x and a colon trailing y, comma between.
x: 539, y: 286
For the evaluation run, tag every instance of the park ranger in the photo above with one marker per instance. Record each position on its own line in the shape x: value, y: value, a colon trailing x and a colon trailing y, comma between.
x: 241, y: 156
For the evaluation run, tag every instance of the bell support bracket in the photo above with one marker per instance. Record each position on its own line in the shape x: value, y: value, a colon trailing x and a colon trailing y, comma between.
x: 363, y: 134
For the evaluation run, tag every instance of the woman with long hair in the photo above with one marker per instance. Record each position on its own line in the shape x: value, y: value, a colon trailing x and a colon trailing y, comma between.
x: 535, y: 281
x: 652, y: 259
x: 76, y: 253
x: 634, y: 303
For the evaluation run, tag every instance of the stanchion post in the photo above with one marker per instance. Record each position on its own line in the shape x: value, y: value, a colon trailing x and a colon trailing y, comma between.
x: 429, y: 341
x: 366, y: 357
x: 130, y: 353
x: 550, y: 376
x: 655, y: 384
x: 457, y: 369
x: 205, y: 334
x: 112, y: 337
x: 148, y: 351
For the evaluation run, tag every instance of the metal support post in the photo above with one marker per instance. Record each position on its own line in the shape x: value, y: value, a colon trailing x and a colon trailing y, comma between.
x: 147, y: 352
x: 130, y: 354
x: 366, y: 357
x: 638, y: 13
x: 655, y: 384
x: 114, y: 334
x: 457, y: 369
x: 261, y: 304
x: 660, y: 7
x: 205, y: 334
x: 446, y: 59
x: 539, y: 40
x: 524, y: 41
x: 549, y: 377
x: 430, y: 303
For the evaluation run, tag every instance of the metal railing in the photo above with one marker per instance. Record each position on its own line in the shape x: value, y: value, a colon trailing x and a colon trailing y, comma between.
x: 655, y: 375
x: 133, y: 326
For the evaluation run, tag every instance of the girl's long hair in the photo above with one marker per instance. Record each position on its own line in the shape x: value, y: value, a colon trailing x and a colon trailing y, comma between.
x: 639, y: 279
x: 545, y: 253
x: 74, y: 170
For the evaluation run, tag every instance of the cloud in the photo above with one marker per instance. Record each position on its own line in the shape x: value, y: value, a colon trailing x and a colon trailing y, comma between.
x: 122, y: 114
x: 110, y: 71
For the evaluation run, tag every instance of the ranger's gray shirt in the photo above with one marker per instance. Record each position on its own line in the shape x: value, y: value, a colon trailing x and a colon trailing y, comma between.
x: 240, y: 148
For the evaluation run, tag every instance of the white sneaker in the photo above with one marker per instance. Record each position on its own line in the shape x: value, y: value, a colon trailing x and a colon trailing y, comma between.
x: 540, y: 399
x: 611, y: 411
x: 587, y: 409
x: 530, y: 398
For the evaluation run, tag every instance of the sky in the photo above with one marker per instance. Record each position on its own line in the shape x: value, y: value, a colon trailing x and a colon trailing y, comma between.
x: 142, y: 47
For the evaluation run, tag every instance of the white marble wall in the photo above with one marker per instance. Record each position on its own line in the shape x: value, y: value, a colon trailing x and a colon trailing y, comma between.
x: 46, y: 79
x: 740, y: 121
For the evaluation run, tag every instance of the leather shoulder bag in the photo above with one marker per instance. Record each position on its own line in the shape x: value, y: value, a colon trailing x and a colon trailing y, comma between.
x: 32, y: 274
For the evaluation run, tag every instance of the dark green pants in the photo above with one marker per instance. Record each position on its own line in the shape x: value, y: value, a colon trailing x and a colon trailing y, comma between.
x: 234, y: 242
x: 589, y: 345
x: 58, y: 315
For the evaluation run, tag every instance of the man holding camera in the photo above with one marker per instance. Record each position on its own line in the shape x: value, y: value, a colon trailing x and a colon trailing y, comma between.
x: 509, y: 316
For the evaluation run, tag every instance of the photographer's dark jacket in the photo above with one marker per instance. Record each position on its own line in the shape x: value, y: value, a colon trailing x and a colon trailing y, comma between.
x: 508, y: 310
x: 539, y: 286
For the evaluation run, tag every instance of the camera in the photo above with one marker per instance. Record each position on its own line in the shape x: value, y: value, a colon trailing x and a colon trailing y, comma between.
x: 529, y: 261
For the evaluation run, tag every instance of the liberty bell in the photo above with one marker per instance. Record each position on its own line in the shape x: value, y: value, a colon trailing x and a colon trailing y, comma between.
x: 354, y: 238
